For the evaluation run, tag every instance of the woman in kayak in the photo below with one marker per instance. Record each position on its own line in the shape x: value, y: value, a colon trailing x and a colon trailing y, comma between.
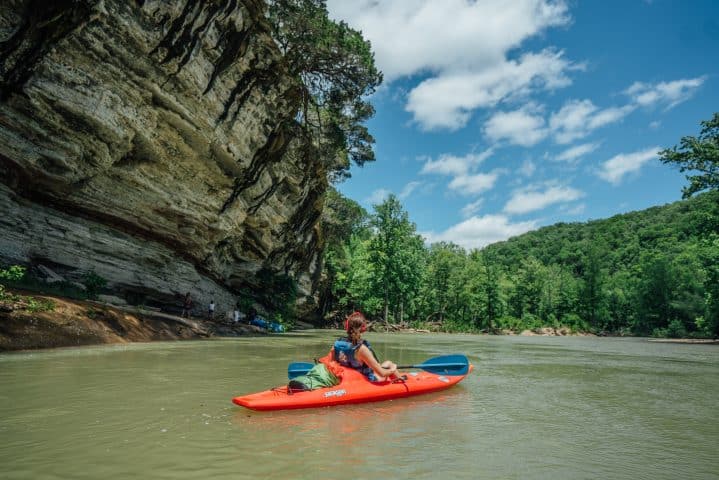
x: 356, y: 353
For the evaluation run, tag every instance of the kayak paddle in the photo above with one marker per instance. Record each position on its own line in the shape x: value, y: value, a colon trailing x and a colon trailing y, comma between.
x: 443, y: 365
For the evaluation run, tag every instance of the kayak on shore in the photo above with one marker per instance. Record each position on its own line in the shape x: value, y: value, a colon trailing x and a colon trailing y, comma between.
x: 269, y: 326
x: 436, y: 374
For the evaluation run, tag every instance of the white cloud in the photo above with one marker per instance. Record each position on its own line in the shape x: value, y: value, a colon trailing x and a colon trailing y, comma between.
x: 529, y: 200
x: 408, y: 189
x: 478, y: 232
x: 521, y: 127
x: 614, y: 169
x: 377, y: 197
x: 577, y: 118
x: 666, y: 93
x: 473, y: 184
x: 413, y: 36
x: 528, y: 168
x: 448, y: 100
x: 462, y: 47
x: 448, y: 164
x: 472, y: 208
x: 460, y: 169
x: 578, y: 151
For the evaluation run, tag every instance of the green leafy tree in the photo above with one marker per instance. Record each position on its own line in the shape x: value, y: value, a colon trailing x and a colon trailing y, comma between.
x: 342, y: 218
x: 492, y: 294
x: 655, y: 294
x: 393, y: 251
x: 697, y: 154
x: 485, y: 284
x: 556, y: 296
x: 688, y: 299
x: 335, y: 64
x: 94, y: 283
x: 355, y: 286
x: 528, y: 285
x: 279, y: 293
x: 620, y: 302
x: 591, y: 296
x: 13, y: 274
x: 444, y: 263
x: 708, y: 256
x: 413, y: 262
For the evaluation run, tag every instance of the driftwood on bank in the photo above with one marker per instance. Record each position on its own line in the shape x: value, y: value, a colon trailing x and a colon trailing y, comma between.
x: 379, y: 326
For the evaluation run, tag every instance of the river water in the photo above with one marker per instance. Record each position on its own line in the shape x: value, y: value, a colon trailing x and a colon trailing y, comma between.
x: 535, y: 407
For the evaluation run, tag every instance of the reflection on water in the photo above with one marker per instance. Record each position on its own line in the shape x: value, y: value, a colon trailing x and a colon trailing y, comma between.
x: 534, y: 407
x: 370, y: 439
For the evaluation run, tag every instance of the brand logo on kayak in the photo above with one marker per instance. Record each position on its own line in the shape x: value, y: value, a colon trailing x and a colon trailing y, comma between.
x: 335, y: 393
x: 443, y: 379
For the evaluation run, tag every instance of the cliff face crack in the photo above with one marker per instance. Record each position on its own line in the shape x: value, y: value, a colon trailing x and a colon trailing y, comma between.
x: 184, y: 34
x: 299, y: 227
x: 243, y: 89
x: 262, y: 198
x: 233, y: 44
x: 272, y: 151
x: 44, y: 25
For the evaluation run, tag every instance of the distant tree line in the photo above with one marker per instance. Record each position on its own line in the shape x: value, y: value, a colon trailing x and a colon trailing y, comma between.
x: 652, y: 272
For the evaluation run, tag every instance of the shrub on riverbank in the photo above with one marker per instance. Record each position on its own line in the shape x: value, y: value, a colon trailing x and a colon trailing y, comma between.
x: 11, y: 301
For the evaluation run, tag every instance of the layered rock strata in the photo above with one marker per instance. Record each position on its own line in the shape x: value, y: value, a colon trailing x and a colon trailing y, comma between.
x: 153, y: 142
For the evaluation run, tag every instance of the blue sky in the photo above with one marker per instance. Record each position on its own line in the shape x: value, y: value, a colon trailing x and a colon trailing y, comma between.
x: 498, y: 117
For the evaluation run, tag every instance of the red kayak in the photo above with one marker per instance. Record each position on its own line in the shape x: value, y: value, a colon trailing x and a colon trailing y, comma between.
x: 438, y: 374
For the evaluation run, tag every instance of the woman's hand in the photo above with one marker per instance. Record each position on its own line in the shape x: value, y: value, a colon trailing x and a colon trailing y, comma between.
x: 390, y: 367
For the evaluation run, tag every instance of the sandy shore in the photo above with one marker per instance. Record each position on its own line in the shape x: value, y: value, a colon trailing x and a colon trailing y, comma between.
x: 77, y: 322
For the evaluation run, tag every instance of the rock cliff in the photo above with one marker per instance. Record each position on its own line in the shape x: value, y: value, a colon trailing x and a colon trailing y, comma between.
x: 155, y: 143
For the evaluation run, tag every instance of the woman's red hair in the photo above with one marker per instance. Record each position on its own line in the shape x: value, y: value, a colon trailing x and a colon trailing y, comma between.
x: 355, y: 324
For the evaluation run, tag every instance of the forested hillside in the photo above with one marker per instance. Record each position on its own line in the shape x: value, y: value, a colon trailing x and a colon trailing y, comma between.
x: 644, y: 271
x: 651, y: 272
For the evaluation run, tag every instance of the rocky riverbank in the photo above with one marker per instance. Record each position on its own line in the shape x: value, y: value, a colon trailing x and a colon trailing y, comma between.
x: 29, y: 321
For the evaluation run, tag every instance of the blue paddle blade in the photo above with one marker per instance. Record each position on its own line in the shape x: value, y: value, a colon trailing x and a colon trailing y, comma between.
x: 445, y: 365
x: 296, y: 369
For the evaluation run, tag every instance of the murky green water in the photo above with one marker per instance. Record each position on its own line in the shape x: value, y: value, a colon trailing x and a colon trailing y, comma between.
x: 535, y: 407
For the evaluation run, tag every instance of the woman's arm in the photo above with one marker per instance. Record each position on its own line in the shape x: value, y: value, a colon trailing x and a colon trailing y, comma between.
x: 365, y: 355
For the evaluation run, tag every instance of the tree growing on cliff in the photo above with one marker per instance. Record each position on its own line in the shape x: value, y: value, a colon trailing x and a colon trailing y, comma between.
x: 336, y: 67
x: 698, y: 154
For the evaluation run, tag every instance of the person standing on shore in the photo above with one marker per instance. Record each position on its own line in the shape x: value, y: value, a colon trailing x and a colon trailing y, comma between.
x: 186, y: 306
x: 211, y: 310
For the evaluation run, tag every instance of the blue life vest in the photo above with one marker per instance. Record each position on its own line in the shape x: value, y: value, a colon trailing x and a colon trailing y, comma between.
x: 345, y: 356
